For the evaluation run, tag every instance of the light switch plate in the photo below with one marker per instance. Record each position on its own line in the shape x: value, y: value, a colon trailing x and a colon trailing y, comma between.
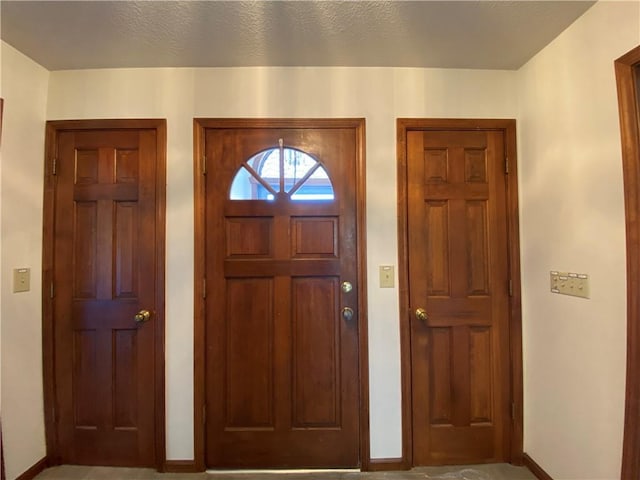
x: 386, y: 276
x: 21, y: 280
x: 567, y: 283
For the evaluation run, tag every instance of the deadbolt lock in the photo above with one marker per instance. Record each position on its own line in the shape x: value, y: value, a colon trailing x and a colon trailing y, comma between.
x: 347, y: 313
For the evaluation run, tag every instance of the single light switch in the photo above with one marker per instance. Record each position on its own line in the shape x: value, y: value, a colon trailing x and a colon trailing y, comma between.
x: 21, y: 280
x: 386, y: 276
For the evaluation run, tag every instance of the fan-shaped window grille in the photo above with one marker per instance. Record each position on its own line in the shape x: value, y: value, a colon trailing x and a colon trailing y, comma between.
x: 282, y: 171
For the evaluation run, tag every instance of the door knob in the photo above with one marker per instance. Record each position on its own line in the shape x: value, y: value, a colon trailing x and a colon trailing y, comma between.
x: 346, y: 287
x: 347, y: 313
x: 421, y: 314
x: 142, y: 316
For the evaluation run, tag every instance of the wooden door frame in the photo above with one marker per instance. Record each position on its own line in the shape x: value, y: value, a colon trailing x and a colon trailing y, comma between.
x: 2, y: 474
x: 53, y: 128
x: 200, y: 125
x: 508, y: 127
x: 629, y: 113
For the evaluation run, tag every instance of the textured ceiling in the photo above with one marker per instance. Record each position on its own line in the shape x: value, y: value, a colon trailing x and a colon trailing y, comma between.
x: 448, y: 34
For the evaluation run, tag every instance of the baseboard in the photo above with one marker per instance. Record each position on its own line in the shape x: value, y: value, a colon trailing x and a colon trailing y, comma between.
x: 181, y: 466
x: 536, y: 469
x: 34, y: 470
x: 387, y: 464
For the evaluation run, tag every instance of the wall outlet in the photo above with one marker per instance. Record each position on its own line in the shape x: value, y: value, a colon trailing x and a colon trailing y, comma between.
x: 567, y: 283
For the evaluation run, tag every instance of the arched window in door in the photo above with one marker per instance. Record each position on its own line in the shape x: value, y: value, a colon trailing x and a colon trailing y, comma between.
x: 282, y: 171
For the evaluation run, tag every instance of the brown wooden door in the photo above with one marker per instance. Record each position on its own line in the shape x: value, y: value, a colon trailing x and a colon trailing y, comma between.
x: 458, y: 274
x: 105, y: 240
x: 281, y: 360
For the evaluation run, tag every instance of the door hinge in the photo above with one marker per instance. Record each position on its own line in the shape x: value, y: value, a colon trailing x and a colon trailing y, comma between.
x: 51, y: 290
x: 204, y: 288
x: 506, y: 165
x: 513, y: 411
x: 511, y: 288
x: 204, y: 165
x: 54, y: 166
x: 53, y: 415
x: 204, y: 414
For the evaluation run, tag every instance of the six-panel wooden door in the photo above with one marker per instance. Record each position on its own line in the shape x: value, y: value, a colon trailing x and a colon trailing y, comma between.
x: 458, y: 289
x: 282, y: 381
x: 105, y: 246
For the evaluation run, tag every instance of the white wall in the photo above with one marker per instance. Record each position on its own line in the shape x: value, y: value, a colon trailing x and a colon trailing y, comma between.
x: 24, y: 89
x: 572, y: 219
x: 378, y: 94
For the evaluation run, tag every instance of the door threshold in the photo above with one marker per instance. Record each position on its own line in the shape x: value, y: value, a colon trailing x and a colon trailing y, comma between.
x: 279, y: 471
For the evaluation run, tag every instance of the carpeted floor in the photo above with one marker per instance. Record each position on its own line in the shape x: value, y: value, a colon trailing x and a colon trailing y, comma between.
x: 469, y: 472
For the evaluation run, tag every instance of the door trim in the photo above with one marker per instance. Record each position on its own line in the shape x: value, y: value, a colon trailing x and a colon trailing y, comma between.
x: 630, y: 137
x: 508, y: 127
x: 53, y: 128
x: 199, y: 127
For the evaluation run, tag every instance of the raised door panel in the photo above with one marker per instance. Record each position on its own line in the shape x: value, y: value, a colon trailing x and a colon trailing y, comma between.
x: 125, y: 250
x: 440, y: 405
x: 125, y: 380
x: 86, y: 396
x: 316, y: 353
x: 249, y: 236
x: 85, y: 250
x: 314, y: 237
x: 437, y: 259
x: 476, y: 250
x: 249, y: 332
x: 480, y: 376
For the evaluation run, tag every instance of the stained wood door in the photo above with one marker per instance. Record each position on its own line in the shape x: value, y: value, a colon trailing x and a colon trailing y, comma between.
x: 458, y: 277
x: 282, y: 381
x: 107, y: 238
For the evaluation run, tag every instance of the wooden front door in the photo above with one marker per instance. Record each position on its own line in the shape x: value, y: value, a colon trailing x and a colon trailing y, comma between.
x: 282, y: 379
x: 106, y: 285
x: 458, y: 270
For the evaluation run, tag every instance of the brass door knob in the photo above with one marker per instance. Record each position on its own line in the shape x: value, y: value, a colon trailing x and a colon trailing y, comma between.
x: 142, y: 316
x: 421, y: 314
